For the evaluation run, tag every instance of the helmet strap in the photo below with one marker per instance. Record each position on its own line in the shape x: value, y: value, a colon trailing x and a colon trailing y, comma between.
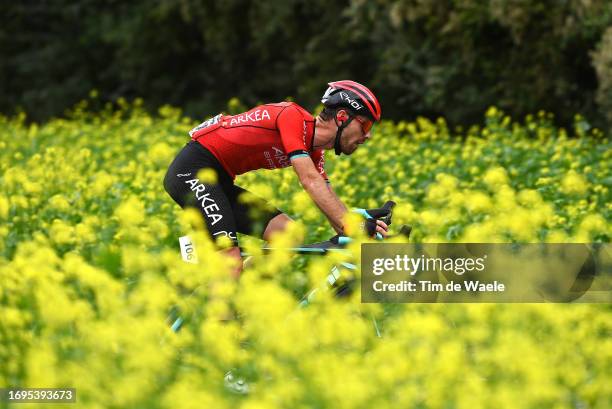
x: 337, y: 147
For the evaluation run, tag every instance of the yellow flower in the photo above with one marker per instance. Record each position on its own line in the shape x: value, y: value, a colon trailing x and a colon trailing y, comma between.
x: 478, y: 202
x: 160, y: 154
x: 207, y: 176
x: 574, y: 183
x: 59, y: 202
x: 495, y: 177
x: 84, y: 233
x: 529, y: 198
x: 594, y: 224
x: 432, y: 220
x: 101, y: 183
x: 62, y: 232
x: 492, y: 112
x: 130, y: 212
x: 4, y: 207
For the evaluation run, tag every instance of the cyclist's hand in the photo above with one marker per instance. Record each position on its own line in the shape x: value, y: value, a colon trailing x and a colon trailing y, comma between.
x: 382, y: 228
x: 373, y: 226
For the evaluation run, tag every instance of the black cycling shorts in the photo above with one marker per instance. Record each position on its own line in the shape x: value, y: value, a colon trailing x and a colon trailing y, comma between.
x: 225, y: 207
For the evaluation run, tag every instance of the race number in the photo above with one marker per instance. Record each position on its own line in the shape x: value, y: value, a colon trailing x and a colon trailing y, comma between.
x: 188, y: 251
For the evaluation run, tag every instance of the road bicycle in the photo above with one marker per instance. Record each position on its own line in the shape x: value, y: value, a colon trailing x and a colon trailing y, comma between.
x: 340, y: 280
x: 341, y: 277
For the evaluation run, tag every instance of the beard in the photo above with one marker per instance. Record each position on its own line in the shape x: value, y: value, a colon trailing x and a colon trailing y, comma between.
x: 348, y: 149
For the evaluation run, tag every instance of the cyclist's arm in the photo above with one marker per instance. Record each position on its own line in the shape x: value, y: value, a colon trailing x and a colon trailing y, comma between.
x: 320, y: 192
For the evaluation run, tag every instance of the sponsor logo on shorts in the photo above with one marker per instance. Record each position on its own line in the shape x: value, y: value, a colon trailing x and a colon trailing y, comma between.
x: 230, y: 234
x: 208, y: 204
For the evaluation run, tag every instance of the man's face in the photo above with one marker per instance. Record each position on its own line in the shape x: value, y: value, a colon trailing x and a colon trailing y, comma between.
x: 354, y: 135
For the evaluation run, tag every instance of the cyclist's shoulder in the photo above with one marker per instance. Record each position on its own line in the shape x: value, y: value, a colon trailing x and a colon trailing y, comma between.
x: 288, y: 106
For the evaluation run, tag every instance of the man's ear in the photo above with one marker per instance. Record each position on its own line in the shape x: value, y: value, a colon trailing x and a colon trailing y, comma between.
x: 342, y: 115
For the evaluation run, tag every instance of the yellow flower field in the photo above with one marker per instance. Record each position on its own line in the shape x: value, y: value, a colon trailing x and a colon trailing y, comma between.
x: 90, y: 268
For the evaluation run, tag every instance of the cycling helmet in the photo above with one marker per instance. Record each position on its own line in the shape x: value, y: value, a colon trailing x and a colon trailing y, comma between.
x: 355, y: 98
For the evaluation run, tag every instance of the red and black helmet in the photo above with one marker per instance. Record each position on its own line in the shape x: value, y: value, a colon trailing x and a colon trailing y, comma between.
x: 357, y: 98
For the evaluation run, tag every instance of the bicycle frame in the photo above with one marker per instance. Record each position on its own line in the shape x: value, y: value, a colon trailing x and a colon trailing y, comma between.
x: 335, y: 245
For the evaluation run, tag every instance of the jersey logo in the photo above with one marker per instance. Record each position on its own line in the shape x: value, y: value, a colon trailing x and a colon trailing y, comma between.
x: 251, y: 116
x: 321, y: 164
x: 209, y: 122
x: 279, y: 157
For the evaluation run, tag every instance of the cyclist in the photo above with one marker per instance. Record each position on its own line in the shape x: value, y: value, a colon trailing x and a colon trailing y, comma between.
x: 271, y: 136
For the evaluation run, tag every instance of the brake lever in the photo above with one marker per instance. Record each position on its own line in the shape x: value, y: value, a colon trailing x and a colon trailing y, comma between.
x: 389, y: 207
x: 405, y: 231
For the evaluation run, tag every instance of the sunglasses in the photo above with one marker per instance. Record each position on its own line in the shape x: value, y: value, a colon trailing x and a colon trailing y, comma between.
x: 366, y: 124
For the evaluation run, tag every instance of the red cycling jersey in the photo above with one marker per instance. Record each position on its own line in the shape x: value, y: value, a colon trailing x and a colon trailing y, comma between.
x: 266, y: 137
